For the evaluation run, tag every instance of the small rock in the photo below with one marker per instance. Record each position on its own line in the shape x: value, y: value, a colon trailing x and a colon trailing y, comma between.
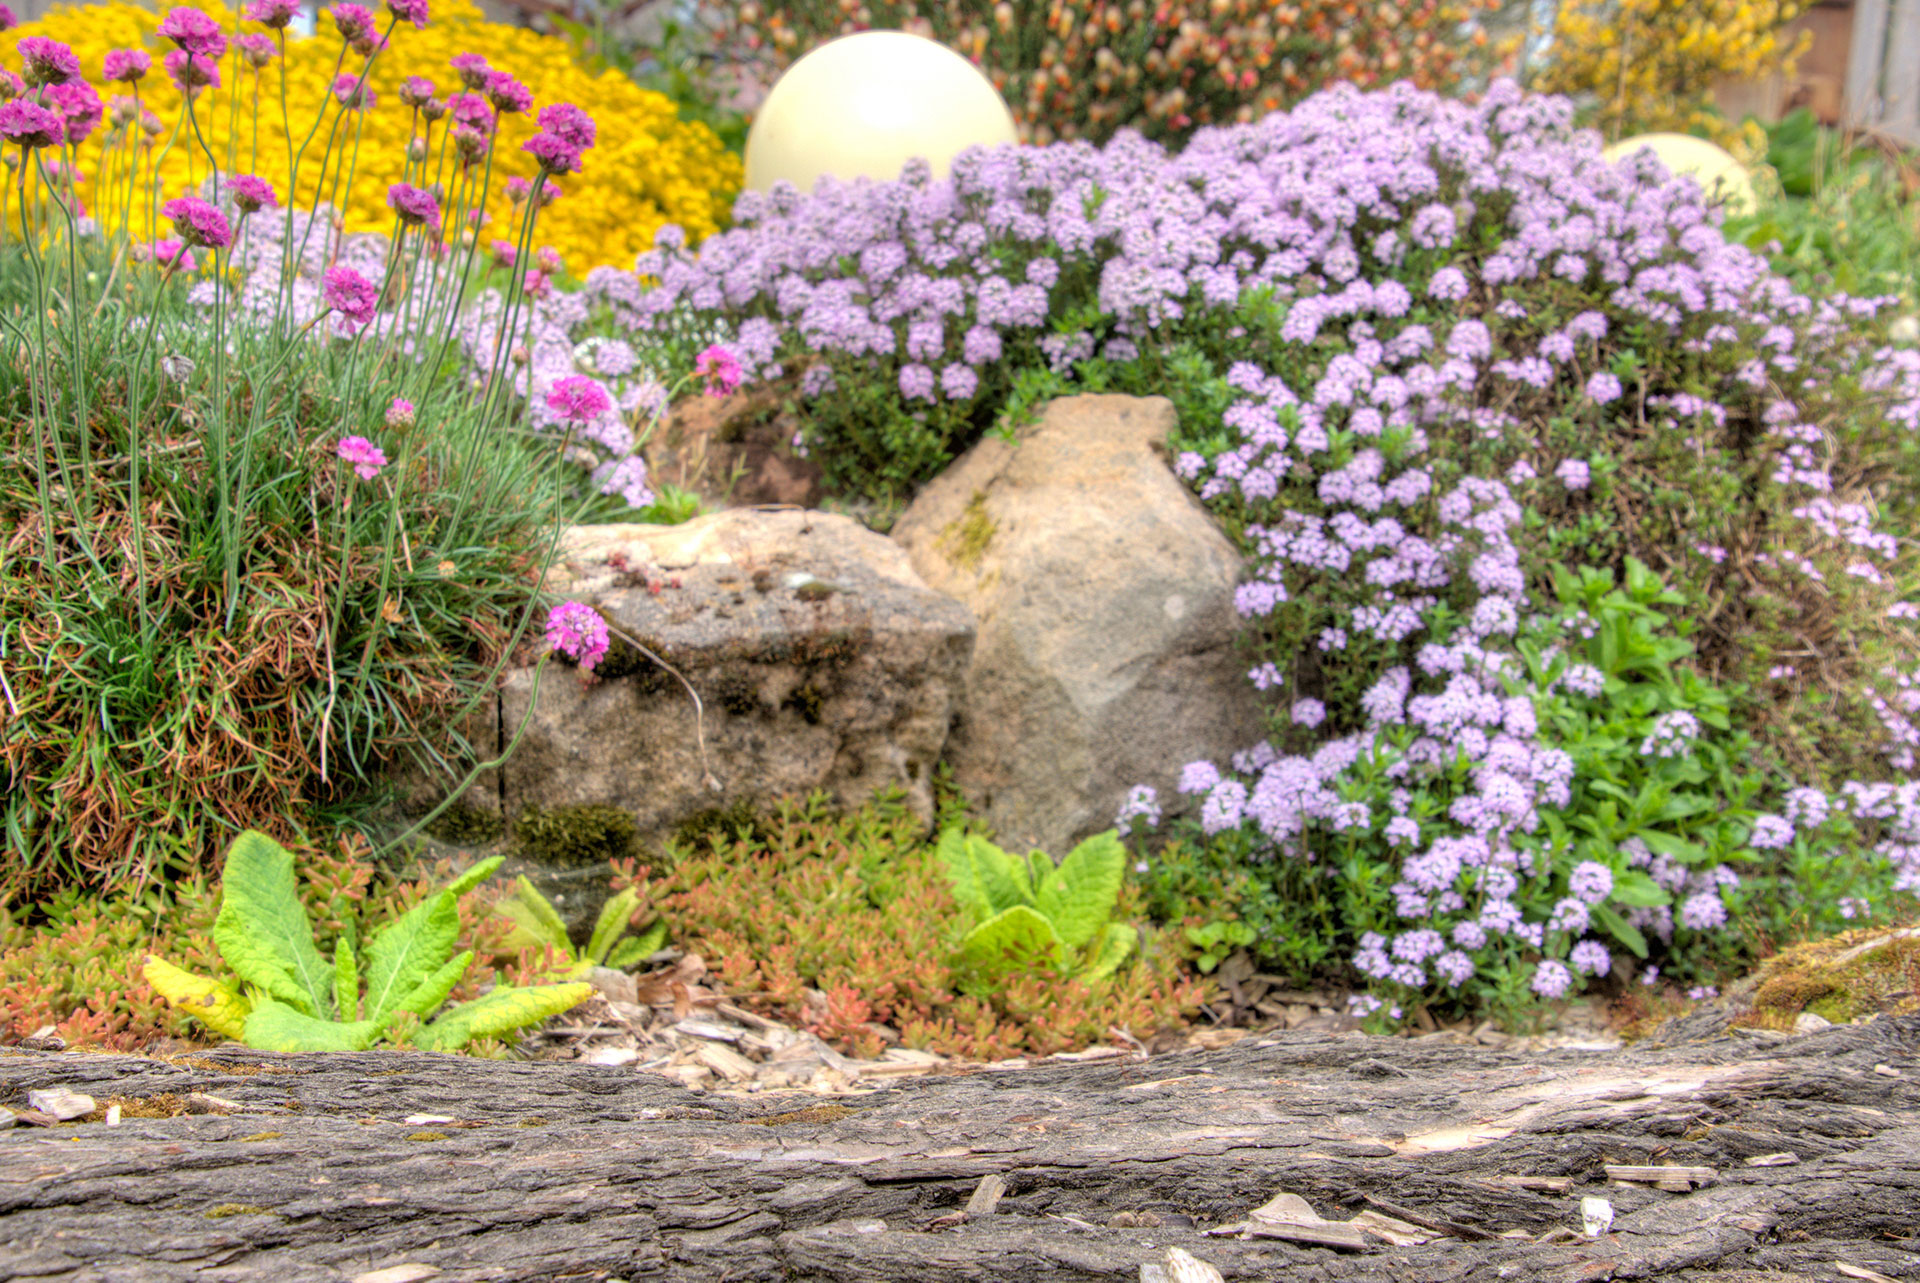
x: 411, y: 1272
x: 610, y: 1056
x: 1808, y: 1023
x: 422, y: 1120
x: 61, y: 1103
x: 615, y: 986
x: 1886, y: 1071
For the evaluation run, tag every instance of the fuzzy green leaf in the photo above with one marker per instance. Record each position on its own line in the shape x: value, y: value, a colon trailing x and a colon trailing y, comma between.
x: 474, y: 877
x: 500, y: 1012
x: 535, y: 924
x: 634, y: 950
x: 431, y: 992
x: 1619, y: 928
x: 262, y: 931
x: 1112, y: 948
x: 346, y: 979
x: 1013, y: 940
x: 1078, y: 897
x: 985, y: 880
x: 408, y: 950
x: 615, y: 915
x: 274, y: 1026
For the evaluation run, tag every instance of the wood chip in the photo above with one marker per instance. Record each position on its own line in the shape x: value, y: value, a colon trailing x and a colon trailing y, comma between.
x: 611, y: 1056
x: 1665, y: 1176
x: 725, y: 1061
x: 411, y: 1272
x: 201, y: 1102
x: 60, y: 1103
x: 1782, y: 1159
x: 1184, y: 1267
x: 710, y: 1030
x: 1540, y: 1184
x: 421, y: 1120
x: 1290, y: 1217
x: 1861, y: 1272
x: 986, y: 1195
x: 35, y: 1118
x: 1435, y: 1223
x: 1596, y: 1216
x: 1886, y: 1071
x: 1391, y: 1228
x: 113, y: 1115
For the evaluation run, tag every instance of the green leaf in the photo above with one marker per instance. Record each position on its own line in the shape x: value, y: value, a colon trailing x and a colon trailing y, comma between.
x: 262, y: 931
x: 1667, y: 844
x: 274, y: 1026
x: 1115, y: 943
x: 535, y: 924
x: 634, y: 950
x: 346, y: 979
x: 1078, y: 897
x: 982, y: 876
x: 1012, y: 940
x: 501, y: 1012
x: 615, y: 916
x: 431, y: 992
x: 1617, y: 927
x: 474, y: 877
x: 1638, y: 891
x: 408, y: 950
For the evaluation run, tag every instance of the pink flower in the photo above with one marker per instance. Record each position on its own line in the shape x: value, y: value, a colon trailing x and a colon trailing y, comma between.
x: 469, y: 144
x: 30, y: 125
x: 412, y: 206
x: 190, y: 72
x: 578, y: 399
x: 400, y: 414
x: 415, y: 90
x: 507, y: 94
x: 199, y: 224
x: 273, y: 13
x: 11, y: 86
x: 579, y: 632
x: 195, y: 32
x: 414, y: 11
x: 537, y: 284
x: 364, y: 455
x: 251, y: 194
x: 126, y: 64
x: 503, y: 253
x: 353, y: 92
x: 549, y: 259
x: 472, y: 111
x: 257, y: 49
x: 171, y: 254
x: 78, y: 104
x: 47, y: 62
x: 569, y: 124
x: 555, y: 155
x: 354, y: 22
x: 7, y: 21
x: 720, y: 368
x: 473, y: 70
x: 352, y: 295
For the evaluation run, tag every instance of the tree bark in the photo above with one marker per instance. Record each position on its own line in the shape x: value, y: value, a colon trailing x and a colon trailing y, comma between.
x: 568, y: 1171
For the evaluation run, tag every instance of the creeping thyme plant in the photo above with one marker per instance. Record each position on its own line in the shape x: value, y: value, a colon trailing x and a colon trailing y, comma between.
x: 1574, y: 583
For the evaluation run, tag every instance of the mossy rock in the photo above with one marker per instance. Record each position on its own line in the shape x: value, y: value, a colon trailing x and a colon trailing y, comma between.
x: 1853, y: 975
x: 465, y: 825
x: 574, y: 835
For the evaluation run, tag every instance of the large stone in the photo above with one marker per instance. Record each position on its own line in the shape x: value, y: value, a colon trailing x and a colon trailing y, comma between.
x: 1104, y: 595
x: 820, y: 659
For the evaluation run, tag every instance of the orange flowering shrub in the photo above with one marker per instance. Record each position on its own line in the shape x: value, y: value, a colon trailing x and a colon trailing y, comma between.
x: 650, y: 167
x: 1085, y: 68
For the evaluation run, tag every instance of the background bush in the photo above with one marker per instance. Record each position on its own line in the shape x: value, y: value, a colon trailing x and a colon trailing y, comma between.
x: 1085, y: 68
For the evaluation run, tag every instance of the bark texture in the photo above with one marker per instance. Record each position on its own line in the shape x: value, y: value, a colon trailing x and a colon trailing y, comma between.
x: 562, y: 1171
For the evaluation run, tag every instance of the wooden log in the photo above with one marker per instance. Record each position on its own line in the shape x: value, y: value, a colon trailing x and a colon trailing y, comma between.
x: 557, y: 1170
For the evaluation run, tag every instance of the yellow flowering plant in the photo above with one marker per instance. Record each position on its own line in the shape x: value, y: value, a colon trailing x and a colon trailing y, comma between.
x: 1650, y: 65
x: 650, y: 169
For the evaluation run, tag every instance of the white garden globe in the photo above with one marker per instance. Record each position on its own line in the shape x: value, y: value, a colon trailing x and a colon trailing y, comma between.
x: 864, y: 105
x: 1724, y: 179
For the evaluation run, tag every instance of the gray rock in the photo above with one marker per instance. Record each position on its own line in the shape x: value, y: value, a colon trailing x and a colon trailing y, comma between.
x: 820, y: 659
x: 1104, y: 592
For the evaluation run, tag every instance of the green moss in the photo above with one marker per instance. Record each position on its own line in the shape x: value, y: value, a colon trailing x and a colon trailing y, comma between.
x: 575, y: 835
x: 462, y: 825
x: 965, y: 539
x: 427, y: 1136
x: 738, y: 820
x: 806, y: 700
x: 225, y: 1210
x: 264, y: 1136
x: 734, y: 692
x: 623, y: 659
x: 1821, y: 978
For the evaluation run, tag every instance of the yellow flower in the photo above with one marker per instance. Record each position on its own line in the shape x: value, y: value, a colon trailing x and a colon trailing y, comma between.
x: 648, y: 169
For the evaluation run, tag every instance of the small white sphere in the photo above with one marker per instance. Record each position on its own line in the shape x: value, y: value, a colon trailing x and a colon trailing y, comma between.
x: 864, y: 105
x: 1720, y: 176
